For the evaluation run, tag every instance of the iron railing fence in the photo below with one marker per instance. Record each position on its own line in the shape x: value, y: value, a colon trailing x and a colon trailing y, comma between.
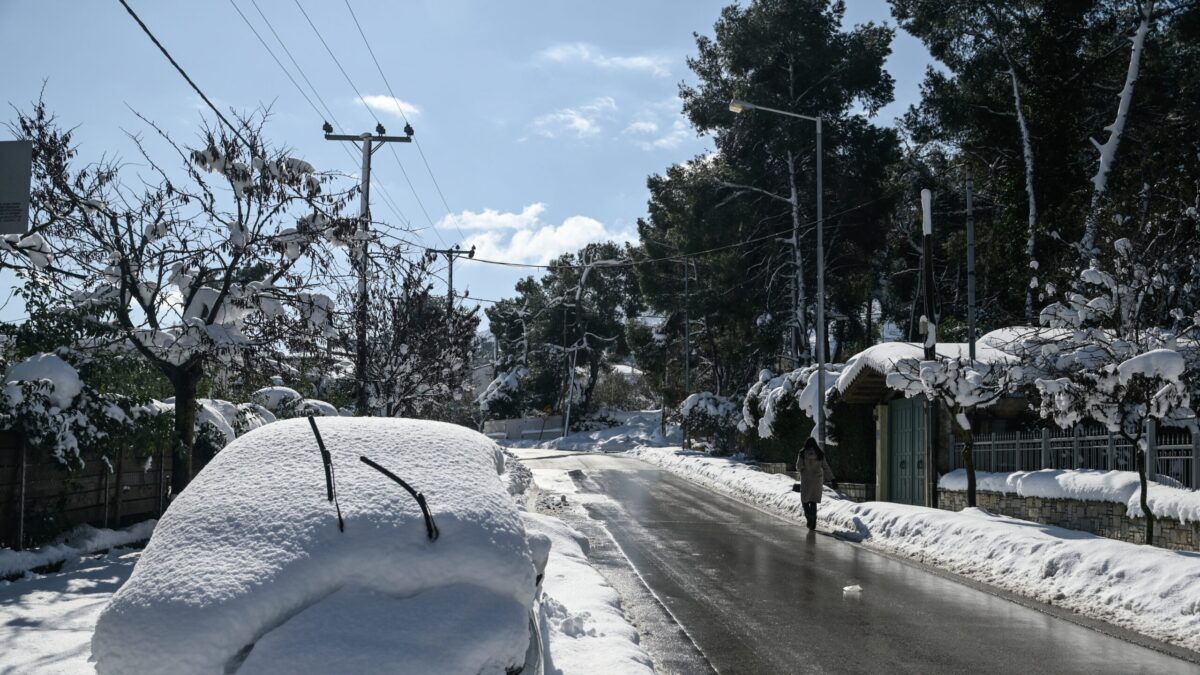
x: 1174, y: 453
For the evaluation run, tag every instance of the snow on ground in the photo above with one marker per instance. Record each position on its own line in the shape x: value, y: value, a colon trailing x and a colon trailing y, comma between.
x: 81, y: 540
x: 582, y: 622
x: 1153, y: 591
x: 253, y: 542
x: 1121, y: 487
x: 636, y: 429
x: 46, y: 621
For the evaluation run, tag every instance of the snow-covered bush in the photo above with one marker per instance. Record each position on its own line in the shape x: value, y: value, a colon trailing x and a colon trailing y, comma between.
x: 712, y: 418
x: 285, y: 403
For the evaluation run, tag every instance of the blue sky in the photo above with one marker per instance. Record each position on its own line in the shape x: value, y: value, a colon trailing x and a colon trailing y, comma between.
x: 540, y: 119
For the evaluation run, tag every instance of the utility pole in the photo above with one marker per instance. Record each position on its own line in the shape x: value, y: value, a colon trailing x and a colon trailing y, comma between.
x: 451, y: 254
x: 970, y: 266
x: 368, y: 143
x: 687, y: 345
x: 930, y: 339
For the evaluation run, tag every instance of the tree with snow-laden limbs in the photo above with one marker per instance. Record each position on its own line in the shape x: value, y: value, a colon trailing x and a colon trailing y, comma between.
x: 1128, y: 350
x: 203, y: 266
x: 963, y: 386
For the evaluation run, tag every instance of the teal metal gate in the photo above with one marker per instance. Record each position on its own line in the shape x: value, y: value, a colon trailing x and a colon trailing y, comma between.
x: 906, y: 451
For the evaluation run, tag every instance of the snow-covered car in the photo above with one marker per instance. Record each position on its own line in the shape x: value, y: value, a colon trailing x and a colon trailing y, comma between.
x: 254, y: 569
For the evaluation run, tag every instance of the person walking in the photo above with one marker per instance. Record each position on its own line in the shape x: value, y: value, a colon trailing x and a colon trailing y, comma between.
x: 814, y: 472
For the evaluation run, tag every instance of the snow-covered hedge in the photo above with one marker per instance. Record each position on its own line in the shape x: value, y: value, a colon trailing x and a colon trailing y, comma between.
x: 711, y: 416
x: 44, y: 398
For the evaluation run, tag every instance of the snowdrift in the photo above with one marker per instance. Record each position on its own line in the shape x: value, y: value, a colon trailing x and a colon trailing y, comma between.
x: 252, y: 543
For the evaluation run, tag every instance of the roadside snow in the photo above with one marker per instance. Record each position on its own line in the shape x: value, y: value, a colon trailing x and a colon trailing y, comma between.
x: 636, y: 429
x: 583, y: 625
x: 1153, y: 591
x: 80, y: 541
x: 1121, y: 487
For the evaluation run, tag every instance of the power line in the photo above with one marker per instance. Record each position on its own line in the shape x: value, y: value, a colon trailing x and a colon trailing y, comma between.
x: 685, y: 256
x: 387, y: 198
x: 369, y: 110
x: 437, y: 186
x: 182, y: 72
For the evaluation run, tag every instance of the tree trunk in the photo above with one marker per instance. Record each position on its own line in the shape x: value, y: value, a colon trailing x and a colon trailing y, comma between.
x: 1146, y: 513
x: 1109, y: 149
x: 969, y: 465
x: 799, y: 292
x: 184, y: 382
x: 1027, y: 154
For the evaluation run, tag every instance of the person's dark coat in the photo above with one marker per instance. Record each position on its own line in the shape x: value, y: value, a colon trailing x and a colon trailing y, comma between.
x: 814, y: 472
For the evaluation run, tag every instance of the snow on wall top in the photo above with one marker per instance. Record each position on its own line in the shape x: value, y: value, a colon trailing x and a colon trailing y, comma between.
x: 1121, y: 487
x: 252, y: 541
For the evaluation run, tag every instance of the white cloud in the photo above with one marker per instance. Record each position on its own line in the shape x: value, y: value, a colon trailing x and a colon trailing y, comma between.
x: 642, y: 127
x: 679, y: 133
x: 581, y: 121
x: 581, y: 52
x: 491, y: 219
x: 387, y: 104
x: 523, y: 237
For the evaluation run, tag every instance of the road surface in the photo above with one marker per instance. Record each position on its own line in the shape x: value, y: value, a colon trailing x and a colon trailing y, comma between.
x: 755, y: 593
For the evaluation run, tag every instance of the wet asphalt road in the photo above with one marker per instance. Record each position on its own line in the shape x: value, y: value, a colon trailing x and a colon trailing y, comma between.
x: 758, y: 594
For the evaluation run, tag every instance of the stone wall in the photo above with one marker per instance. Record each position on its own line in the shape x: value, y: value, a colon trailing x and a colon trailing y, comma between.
x: 1107, y: 519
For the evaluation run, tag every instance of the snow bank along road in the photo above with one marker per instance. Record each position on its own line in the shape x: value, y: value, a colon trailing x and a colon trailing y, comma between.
x: 759, y: 594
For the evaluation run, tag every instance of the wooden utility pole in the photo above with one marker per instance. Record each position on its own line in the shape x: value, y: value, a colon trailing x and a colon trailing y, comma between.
x: 970, y: 266
x: 930, y: 340
x: 368, y: 143
x: 451, y: 254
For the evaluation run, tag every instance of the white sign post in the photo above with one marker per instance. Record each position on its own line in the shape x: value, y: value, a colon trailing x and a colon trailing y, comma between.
x: 16, y: 170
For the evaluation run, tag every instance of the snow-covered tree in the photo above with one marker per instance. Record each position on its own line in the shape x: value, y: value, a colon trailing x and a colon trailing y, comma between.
x: 962, y: 385
x: 1128, y: 350
x: 202, y: 265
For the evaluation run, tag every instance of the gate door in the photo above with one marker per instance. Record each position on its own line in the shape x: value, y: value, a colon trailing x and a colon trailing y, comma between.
x: 906, y: 450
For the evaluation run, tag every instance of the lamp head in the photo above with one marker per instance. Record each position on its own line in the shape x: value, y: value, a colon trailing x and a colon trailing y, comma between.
x: 737, y: 105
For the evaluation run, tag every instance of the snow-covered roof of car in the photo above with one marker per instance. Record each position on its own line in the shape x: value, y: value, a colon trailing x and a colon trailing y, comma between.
x: 253, y: 541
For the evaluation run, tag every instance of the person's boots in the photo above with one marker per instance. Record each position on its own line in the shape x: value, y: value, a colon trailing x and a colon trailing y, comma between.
x: 810, y: 515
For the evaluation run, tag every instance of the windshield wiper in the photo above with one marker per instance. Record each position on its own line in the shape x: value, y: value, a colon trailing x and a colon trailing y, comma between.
x: 431, y: 529
x: 330, y: 477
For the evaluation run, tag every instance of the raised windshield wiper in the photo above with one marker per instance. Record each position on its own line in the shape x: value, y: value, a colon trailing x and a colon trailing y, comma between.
x: 330, y: 477
x: 430, y: 527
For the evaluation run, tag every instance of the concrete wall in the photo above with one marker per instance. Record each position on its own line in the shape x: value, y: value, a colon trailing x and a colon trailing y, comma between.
x: 1106, y: 519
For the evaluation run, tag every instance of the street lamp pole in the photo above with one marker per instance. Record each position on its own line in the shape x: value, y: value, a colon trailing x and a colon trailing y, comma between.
x: 739, y: 106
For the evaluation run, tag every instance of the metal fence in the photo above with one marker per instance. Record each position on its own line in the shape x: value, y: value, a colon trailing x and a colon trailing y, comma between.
x: 1174, y: 454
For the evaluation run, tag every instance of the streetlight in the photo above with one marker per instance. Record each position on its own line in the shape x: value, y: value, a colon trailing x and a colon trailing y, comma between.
x: 740, y: 106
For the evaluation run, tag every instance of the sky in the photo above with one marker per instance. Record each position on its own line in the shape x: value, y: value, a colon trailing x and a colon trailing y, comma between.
x: 539, y: 121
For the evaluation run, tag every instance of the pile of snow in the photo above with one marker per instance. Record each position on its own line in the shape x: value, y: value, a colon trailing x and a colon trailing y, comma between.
x: 49, y: 369
x: 252, y: 543
x: 1150, y: 590
x: 1121, y: 487
x: 82, y: 540
x: 584, y: 628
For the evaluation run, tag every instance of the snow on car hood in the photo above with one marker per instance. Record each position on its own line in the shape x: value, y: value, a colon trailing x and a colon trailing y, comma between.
x: 253, y: 541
